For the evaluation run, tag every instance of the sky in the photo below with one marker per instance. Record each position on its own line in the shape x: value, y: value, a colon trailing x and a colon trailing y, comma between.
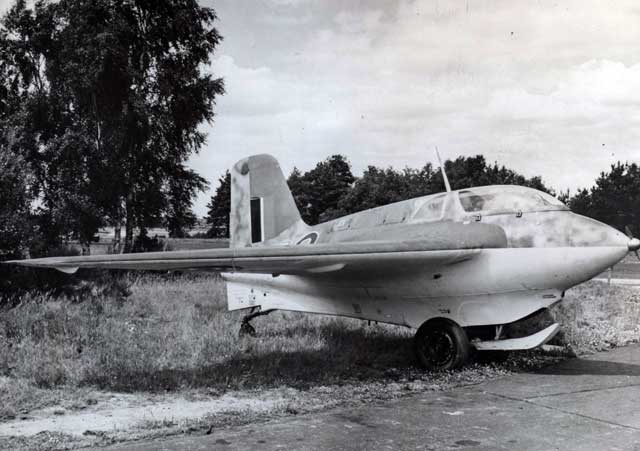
x: 548, y: 88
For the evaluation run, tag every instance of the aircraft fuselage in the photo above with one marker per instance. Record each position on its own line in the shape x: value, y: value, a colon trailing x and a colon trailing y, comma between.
x: 533, y: 249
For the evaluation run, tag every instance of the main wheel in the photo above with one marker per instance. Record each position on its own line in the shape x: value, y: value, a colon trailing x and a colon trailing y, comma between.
x: 441, y: 345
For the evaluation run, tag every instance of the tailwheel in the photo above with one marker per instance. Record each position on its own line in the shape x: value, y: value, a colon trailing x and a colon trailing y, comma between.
x: 246, y: 328
x: 441, y: 345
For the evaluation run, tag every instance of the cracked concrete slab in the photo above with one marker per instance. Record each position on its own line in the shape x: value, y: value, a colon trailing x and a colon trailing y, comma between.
x: 615, y: 368
x: 616, y: 406
x: 579, y: 404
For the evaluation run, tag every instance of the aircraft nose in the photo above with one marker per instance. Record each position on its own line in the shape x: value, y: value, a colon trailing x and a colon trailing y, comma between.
x: 634, y: 244
x: 589, y: 232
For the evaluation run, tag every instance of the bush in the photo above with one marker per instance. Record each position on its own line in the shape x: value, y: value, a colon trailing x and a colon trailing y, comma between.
x: 18, y: 282
x: 143, y: 243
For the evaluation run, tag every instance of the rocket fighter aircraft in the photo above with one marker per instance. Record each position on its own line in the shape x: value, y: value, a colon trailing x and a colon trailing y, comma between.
x: 459, y: 266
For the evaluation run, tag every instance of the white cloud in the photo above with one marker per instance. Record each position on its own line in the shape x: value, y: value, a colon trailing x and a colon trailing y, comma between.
x: 539, y: 87
x: 611, y: 83
x: 359, y: 22
x: 387, y: 99
x: 288, y: 3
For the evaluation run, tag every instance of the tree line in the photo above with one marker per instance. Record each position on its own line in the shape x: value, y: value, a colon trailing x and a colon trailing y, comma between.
x: 614, y: 198
x: 100, y: 104
x: 330, y: 190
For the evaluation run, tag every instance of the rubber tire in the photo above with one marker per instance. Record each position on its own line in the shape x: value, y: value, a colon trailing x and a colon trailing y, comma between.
x: 446, y: 333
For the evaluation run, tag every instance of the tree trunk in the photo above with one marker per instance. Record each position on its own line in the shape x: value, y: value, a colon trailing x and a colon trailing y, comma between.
x: 117, y: 238
x: 128, y: 237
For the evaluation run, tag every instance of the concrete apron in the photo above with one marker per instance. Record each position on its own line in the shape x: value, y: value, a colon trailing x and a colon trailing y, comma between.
x: 591, y: 403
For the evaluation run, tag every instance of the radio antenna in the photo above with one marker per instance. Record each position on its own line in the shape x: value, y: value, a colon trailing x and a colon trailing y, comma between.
x: 444, y: 174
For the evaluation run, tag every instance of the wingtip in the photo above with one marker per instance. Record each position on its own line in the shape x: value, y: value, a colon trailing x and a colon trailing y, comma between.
x: 26, y: 262
x: 39, y: 264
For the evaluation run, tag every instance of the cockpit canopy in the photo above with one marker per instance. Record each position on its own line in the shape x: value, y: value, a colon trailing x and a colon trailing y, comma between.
x: 486, y: 200
x: 497, y: 199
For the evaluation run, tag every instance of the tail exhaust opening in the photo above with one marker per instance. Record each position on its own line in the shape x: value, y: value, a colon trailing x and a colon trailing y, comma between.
x: 262, y: 206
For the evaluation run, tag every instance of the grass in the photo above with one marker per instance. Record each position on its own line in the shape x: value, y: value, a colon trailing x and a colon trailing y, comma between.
x: 174, y: 335
x: 595, y: 316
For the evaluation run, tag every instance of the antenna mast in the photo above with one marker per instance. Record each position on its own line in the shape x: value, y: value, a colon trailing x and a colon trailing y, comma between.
x: 444, y: 174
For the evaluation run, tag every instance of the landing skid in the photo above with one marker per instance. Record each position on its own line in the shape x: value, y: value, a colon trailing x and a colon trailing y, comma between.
x: 246, y: 329
x: 513, y: 344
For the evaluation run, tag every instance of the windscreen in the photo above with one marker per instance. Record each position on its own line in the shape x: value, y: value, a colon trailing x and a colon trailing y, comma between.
x: 507, y: 199
x: 431, y: 210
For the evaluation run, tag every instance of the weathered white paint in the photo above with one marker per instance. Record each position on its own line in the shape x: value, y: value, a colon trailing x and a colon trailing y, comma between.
x: 496, y: 286
x: 513, y: 344
x: 480, y: 256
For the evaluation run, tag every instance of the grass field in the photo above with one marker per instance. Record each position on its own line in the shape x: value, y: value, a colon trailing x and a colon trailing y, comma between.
x: 174, y: 335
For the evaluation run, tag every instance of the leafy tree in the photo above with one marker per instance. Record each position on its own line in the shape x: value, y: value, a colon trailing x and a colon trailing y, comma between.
x: 378, y: 186
x: 466, y: 172
x: 615, y: 198
x: 107, y: 96
x: 420, y: 182
x: 299, y: 186
x: 579, y: 203
x: 318, y: 192
x: 181, y: 188
x: 219, y: 209
x: 15, y: 206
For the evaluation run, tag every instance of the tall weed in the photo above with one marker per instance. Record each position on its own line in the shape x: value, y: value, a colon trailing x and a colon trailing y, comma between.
x: 173, y: 331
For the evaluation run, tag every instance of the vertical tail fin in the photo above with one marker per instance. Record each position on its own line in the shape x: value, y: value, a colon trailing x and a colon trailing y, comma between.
x: 262, y: 206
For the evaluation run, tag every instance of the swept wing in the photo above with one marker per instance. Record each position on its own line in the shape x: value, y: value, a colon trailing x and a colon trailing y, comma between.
x: 302, y: 259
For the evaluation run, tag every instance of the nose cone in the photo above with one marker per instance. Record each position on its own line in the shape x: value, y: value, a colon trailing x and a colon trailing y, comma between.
x: 587, y: 232
x: 634, y: 244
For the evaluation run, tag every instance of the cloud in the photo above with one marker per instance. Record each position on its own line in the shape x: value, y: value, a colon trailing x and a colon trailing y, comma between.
x: 358, y: 22
x: 6, y: 4
x: 611, y: 83
x: 289, y: 3
x: 546, y: 88
x: 344, y: 98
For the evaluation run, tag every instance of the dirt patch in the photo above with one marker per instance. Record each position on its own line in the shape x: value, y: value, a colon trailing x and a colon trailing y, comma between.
x: 130, y: 412
x: 113, y: 417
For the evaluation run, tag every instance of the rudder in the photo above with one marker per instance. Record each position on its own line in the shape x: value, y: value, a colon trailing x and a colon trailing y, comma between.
x: 262, y: 206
